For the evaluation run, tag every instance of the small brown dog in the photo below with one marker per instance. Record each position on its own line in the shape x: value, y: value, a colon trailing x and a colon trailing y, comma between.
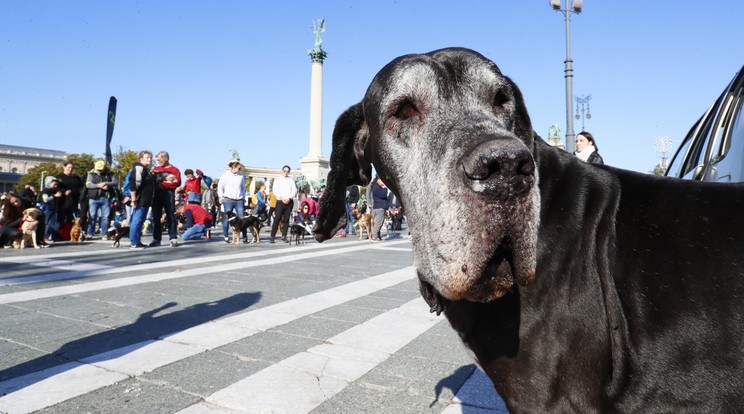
x: 364, y: 221
x: 29, y: 224
x: 76, y: 232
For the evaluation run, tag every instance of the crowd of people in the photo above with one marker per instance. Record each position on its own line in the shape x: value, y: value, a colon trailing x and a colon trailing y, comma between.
x: 155, y: 198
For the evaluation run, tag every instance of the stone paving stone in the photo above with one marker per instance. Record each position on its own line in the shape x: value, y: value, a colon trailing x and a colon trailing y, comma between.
x: 268, y: 346
x: 314, y: 327
x: 205, y: 373
x: 377, y: 303
x: 127, y: 397
x: 363, y: 398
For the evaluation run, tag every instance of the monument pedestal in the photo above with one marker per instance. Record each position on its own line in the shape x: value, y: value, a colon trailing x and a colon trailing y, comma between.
x: 315, y: 167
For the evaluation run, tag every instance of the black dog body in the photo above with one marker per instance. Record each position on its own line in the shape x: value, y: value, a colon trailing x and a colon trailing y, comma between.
x: 593, y: 289
x: 239, y: 225
x: 116, y: 233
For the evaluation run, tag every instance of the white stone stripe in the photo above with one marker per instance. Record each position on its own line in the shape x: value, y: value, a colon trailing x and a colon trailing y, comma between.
x: 302, y: 382
x: 113, y: 366
x: 156, y: 277
x: 48, y: 261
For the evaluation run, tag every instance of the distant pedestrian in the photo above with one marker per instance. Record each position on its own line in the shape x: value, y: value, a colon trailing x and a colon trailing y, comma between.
x: 285, y: 190
x: 71, y: 185
x: 101, y: 184
x: 352, y: 197
x: 167, y: 179
x: 142, y: 187
x: 587, y: 149
x: 231, y: 195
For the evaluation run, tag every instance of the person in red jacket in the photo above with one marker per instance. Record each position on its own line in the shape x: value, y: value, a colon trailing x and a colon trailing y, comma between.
x: 167, y: 179
x: 197, y: 221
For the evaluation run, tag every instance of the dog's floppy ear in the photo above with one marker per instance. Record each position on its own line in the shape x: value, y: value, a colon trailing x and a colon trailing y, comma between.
x: 522, y: 124
x: 348, y: 167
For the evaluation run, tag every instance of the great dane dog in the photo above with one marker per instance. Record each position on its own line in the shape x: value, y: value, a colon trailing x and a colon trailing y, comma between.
x: 579, y: 288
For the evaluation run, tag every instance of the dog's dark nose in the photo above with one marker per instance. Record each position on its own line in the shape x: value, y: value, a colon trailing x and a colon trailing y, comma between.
x: 499, y: 166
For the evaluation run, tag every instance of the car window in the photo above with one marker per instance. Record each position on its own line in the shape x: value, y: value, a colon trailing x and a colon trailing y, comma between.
x: 675, y: 166
x: 728, y: 165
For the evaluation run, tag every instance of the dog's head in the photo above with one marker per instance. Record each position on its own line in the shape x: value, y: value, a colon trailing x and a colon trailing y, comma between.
x: 77, y: 222
x: 32, y: 214
x: 450, y: 135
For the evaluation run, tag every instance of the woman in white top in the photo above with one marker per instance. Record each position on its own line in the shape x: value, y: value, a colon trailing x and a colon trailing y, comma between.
x: 231, y: 193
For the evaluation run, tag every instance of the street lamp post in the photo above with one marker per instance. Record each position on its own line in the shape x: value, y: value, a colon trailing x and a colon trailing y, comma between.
x: 572, y: 6
x: 582, y: 109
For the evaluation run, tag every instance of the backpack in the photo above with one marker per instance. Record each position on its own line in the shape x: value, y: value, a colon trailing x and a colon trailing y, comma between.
x: 125, y: 188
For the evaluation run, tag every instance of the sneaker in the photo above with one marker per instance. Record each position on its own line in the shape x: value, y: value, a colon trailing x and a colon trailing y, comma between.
x: 138, y: 246
x: 173, y: 242
x: 271, y: 240
x: 105, y: 238
x: 227, y: 240
x: 154, y: 243
x: 284, y: 239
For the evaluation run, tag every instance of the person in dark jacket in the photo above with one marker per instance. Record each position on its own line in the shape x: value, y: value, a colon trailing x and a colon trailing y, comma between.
x: 71, y: 185
x: 142, y: 187
x: 380, y: 204
x: 101, y: 185
x: 352, y: 197
x: 587, y: 149
x: 50, y: 201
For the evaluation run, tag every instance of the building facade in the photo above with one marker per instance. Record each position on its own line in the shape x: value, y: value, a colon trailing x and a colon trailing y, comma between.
x: 16, y: 161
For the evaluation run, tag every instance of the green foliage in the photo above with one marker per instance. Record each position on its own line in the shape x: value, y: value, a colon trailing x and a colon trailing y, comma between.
x: 658, y: 170
x: 33, y: 175
x: 83, y: 163
x: 123, y: 161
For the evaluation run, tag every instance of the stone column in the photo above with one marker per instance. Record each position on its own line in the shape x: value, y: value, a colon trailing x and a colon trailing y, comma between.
x: 315, y: 165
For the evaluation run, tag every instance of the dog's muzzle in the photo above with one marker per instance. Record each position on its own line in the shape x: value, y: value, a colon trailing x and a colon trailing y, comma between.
x: 500, y: 167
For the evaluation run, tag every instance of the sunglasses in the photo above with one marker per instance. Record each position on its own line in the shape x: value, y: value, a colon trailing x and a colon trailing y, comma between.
x: 285, y: 171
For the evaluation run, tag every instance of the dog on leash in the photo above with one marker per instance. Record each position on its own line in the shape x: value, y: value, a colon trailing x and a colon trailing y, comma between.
x: 76, y: 232
x: 29, y: 224
x: 117, y: 232
x: 238, y: 225
x: 298, y: 232
x: 364, y: 222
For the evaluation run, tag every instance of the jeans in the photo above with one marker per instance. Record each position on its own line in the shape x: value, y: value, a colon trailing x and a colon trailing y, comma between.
x: 379, y: 215
x: 94, y: 205
x: 195, y: 232
x: 164, y: 200
x: 50, y: 219
x: 232, y: 205
x: 349, y: 219
x: 135, y: 224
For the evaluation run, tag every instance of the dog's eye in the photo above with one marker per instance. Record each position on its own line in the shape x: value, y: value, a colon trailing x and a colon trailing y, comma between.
x: 406, y: 110
x: 500, y: 99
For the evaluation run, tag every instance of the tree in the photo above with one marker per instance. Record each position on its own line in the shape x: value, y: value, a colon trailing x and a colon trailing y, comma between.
x: 82, y: 162
x: 33, y: 175
x: 123, y: 161
x: 659, y: 170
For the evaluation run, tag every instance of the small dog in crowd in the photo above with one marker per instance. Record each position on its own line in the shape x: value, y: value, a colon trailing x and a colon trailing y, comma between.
x: 29, y: 224
x: 298, y: 233
x: 117, y: 232
x: 238, y: 225
x: 364, y: 222
x: 76, y: 232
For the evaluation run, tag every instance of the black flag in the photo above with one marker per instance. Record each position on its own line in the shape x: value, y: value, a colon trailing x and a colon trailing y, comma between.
x: 110, y: 121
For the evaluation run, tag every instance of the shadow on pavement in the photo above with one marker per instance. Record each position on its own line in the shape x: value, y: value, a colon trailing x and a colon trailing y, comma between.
x: 147, y: 327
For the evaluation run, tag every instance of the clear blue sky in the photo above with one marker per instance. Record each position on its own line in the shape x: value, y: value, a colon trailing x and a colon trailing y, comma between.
x: 199, y: 78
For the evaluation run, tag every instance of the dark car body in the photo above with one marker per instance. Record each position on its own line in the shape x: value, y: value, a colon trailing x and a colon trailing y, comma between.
x: 713, y: 150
